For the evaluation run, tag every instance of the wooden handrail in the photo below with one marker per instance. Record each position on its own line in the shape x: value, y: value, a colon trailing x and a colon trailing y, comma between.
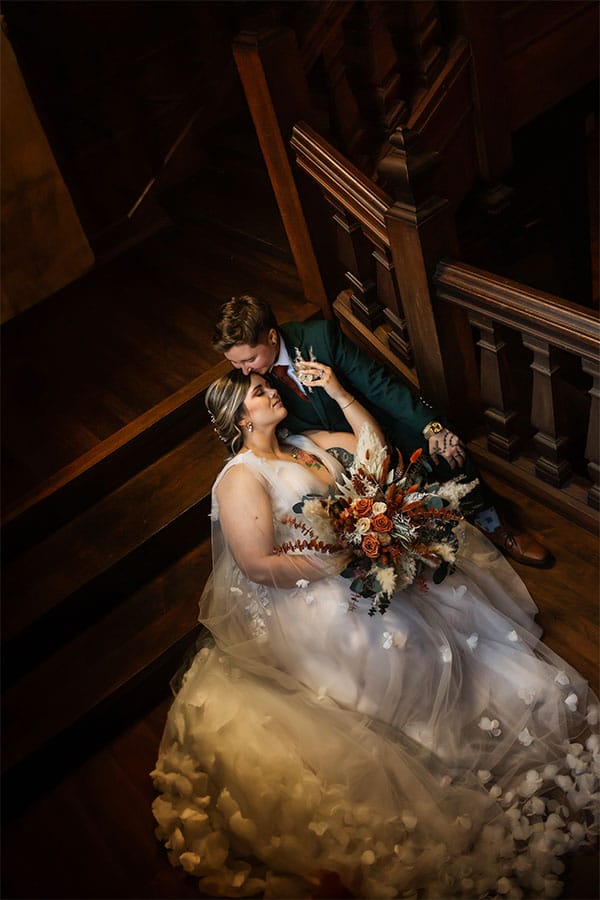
x: 343, y: 181
x: 560, y: 322
x: 548, y: 327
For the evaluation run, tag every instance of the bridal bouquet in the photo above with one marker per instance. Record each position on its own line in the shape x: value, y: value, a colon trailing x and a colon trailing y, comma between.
x: 393, y: 522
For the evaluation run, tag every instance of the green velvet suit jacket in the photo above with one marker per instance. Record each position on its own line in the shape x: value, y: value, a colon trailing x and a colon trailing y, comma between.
x: 402, y: 415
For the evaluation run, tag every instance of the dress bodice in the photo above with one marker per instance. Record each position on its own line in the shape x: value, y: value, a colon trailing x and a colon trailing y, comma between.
x: 286, y: 481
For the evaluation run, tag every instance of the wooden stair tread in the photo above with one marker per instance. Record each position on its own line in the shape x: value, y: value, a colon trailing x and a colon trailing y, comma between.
x: 107, y: 532
x: 214, y: 196
x: 140, y: 426
x: 234, y: 270
x: 102, y: 660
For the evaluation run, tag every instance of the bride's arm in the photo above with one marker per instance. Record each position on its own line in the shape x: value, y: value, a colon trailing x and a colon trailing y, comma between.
x: 246, y: 518
x: 356, y: 414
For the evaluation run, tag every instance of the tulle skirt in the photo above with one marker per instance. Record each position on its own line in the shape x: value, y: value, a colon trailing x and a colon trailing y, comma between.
x: 440, y: 750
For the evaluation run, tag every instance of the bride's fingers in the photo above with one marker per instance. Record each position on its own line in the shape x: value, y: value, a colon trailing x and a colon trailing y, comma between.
x: 317, y: 371
x: 315, y: 367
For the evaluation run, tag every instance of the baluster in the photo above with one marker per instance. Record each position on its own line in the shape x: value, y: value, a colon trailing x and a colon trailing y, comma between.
x: 356, y: 259
x: 389, y: 297
x: 383, y: 69
x: 497, y: 392
x: 551, y: 465
x: 592, y: 448
x: 344, y: 108
x: 426, y: 35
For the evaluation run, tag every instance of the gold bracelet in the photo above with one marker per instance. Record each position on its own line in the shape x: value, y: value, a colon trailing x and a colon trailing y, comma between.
x: 348, y: 404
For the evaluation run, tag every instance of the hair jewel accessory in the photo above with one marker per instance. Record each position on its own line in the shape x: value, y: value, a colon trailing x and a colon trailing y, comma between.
x: 212, y: 418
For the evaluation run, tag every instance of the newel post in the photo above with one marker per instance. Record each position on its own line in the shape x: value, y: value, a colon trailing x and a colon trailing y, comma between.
x: 421, y: 231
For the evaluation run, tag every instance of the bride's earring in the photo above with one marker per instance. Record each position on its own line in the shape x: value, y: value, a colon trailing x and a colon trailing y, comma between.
x: 249, y: 426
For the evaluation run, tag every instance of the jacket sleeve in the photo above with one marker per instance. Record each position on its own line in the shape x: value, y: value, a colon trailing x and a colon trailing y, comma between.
x: 400, y: 412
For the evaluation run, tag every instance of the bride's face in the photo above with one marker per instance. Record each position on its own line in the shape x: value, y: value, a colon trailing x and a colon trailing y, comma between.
x: 263, y: 404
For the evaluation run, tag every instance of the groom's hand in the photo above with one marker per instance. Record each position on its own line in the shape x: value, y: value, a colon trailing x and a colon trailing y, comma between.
x: 447, y: 445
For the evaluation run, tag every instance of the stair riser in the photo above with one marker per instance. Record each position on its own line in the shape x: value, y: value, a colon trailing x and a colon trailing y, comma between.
x: 66, y: 502
x: 37, y: 769
x: 80, y: 609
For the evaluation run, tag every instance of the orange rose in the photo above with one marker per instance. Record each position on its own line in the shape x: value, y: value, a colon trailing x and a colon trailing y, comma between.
x: 382, y: 524
x: 371, y: 546
x: 362, y: 506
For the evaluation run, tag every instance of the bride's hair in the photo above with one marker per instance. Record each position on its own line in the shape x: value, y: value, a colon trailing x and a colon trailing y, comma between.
x: 225, y: 403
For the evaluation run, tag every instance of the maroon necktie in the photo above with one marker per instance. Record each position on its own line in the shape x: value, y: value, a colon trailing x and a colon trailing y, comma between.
x: 281, y: 372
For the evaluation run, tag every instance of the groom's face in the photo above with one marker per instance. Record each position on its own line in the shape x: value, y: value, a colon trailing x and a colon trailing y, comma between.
x: 258, y: 358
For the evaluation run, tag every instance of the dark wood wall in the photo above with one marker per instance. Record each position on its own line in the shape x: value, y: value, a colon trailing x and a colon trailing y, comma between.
x: 115, y: 84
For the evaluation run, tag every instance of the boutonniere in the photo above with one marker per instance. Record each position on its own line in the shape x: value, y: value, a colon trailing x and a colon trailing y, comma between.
x: 298, y: 364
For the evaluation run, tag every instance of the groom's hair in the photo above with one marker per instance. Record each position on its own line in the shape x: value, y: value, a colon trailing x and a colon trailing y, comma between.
x: 243, y: 320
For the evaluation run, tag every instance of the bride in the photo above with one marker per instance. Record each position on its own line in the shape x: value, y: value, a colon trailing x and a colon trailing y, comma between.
x: 439, y: 750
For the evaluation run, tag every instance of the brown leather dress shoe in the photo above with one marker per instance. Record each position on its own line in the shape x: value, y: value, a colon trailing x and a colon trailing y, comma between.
x: 521, y: 547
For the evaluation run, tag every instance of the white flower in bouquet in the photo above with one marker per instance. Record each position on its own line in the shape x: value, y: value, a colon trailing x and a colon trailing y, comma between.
x: 370, y: 454
x: 317, y: 514
x: 443, y: 551
x: 387, y: 578
x: 406, y: 571
x: 454, y: 491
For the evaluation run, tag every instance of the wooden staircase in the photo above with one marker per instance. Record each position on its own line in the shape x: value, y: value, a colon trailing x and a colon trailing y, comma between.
x: 98, y: 605
x: 105, y: 558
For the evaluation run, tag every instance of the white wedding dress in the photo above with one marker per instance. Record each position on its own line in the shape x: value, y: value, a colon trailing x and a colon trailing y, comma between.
x: 439, y: 750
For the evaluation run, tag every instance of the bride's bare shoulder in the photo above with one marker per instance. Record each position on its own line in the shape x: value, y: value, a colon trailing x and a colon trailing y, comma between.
x: 238, y: 476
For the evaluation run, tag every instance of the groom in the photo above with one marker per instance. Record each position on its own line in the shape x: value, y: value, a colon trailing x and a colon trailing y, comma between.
x: 248, y: 335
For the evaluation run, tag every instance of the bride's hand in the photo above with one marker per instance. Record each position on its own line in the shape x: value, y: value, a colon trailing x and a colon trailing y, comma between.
x: 316, y: 374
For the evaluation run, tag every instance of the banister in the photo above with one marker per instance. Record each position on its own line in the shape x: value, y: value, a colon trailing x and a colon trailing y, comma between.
x: 410, y: 234
x: 342, y: 180
x: 548, y: 326
x: 559, y: 322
